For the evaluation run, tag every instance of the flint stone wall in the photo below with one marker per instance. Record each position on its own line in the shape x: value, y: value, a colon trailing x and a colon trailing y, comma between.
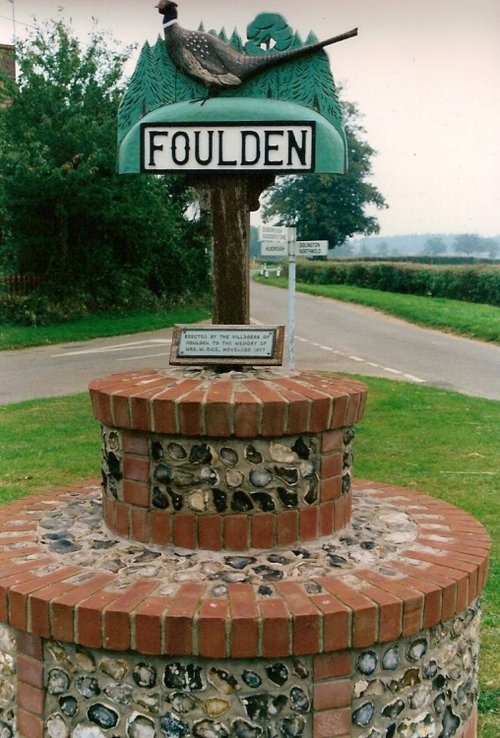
x: 424, y: 686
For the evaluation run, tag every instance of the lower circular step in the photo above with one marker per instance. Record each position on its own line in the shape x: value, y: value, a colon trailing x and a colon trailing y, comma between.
x: 371, y: 631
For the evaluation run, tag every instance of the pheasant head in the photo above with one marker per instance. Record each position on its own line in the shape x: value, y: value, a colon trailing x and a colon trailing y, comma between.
x: 168, y: 9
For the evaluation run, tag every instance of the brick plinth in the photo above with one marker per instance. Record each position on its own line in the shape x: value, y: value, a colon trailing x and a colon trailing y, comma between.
x: 228, y: 590
x: 206, y: 404
x: 327, y: 641
x: 269, y: 403
x: 437, y: 576
x: 227, y: 461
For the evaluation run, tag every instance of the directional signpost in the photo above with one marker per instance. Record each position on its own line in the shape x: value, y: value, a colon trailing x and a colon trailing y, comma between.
x: 280, y: 241
x: 274, y: 248
x: 274, y: 233
x: 311, y: 248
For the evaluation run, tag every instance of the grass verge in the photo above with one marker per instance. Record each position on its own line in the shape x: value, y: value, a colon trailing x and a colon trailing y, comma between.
x: 446, y: 445
x: 96, y: 326
x: 437, y: 442
x: 454, y: 316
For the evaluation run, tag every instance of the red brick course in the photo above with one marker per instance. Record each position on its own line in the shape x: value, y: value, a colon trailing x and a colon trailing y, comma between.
x: 245, y: 408
x: 30, y: 686
x: 245, y: 621
x: 212, y: 629
x: 139, y: 403
x: 332, y: 723
x: 135, y: 519
x: 29, y: 724
x: 355, y: 610
x: 117, y: 620
x: 148, y: 619
x: 179, y: 620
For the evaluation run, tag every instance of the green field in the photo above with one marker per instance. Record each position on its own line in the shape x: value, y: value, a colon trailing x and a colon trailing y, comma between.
x: 454, y: 316
x: 437, y: 442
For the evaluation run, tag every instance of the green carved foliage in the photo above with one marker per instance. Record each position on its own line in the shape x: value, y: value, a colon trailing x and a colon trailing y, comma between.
x: 267, y: 29
x: 308, y: 81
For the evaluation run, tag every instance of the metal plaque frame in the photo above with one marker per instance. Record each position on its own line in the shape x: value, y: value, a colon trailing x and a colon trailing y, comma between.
x: 238, y: 345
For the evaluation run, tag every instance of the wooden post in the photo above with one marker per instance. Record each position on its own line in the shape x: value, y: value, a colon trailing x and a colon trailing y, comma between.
x: 230, y: 259
x: 231, y: 198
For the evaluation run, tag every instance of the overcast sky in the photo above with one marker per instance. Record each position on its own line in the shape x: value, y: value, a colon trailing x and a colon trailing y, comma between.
x: 424, y: 73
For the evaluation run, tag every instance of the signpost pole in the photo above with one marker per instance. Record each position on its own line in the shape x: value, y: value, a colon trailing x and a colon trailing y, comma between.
x: 231, y: 198
x: 281, y: 241
x: 292, y: 264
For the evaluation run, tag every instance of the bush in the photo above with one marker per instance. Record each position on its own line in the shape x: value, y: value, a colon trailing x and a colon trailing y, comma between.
x: 40, y: 308
x: 480, y: 284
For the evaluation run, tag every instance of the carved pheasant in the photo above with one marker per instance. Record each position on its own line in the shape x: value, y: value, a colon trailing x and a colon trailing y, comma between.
x: 217, y: 64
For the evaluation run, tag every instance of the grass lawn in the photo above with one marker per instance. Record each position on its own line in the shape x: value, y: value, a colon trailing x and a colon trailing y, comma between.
x: 97, y: 326
x: 437, y: 442
x: 454, y: 316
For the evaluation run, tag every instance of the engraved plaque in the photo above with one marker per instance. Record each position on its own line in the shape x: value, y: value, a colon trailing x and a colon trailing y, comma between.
x: 228, y: 344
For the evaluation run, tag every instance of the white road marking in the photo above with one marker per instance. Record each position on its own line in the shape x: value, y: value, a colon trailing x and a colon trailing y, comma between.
x: 144, y: 356
x: 360, y: 360
x: 133, y: 345
x: 413, y: 378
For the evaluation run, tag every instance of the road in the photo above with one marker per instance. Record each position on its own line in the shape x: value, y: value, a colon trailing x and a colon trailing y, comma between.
x: 330, y: 336
x: 349, y: 338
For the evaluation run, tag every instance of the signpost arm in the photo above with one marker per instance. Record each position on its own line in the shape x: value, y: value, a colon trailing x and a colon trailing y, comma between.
x: 292, y: 263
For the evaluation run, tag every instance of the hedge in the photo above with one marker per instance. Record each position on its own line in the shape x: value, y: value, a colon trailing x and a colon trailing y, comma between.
x: 423, y: 259
x: 472, y: 284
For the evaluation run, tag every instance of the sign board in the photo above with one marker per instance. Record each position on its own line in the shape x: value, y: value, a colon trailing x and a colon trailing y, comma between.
x: 311, y: 248
x: 227, y: 344
x: 276, y: 233
x: 274, y: 248
x: 223, y: 147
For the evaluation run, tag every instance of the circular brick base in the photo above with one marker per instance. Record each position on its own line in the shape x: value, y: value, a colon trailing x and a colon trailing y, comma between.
x: 227, y: 461
x: 412, y: 686
x: 229, y: 581
x: 424, y: 593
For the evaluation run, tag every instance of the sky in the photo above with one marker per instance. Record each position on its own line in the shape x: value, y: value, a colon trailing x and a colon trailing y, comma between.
x: 425, y: 74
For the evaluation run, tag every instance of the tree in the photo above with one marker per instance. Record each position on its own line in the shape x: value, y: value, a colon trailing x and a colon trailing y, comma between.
x: 434, y: 246
x: 345, y: 250
x: 382, y: 248
x: 330, y: 206
x: 101, y: 240
x: 255, y: 245
x: 490, y: 247
x: 467, y: 243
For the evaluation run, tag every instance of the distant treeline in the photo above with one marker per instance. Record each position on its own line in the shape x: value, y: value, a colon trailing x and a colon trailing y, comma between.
x: 459, y: 281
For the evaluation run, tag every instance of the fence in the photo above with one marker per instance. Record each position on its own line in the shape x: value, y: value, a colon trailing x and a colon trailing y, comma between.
x: 19, y: 285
